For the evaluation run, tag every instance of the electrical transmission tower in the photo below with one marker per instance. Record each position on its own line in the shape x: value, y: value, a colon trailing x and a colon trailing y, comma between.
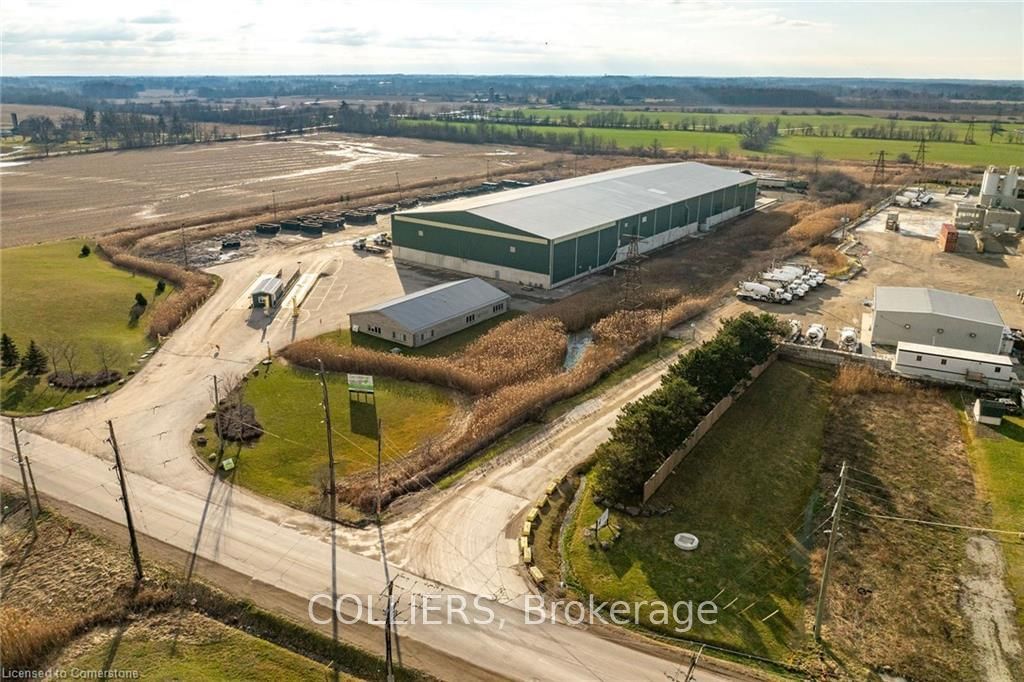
x: 632, y: 275
x: 919, y: 159
x: 969, y: 135
x: 878, y: 177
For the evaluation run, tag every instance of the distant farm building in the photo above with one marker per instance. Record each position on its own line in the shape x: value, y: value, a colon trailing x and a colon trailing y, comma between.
x: 938, y: 318
x: 550, y: 234
x: 425, y: 316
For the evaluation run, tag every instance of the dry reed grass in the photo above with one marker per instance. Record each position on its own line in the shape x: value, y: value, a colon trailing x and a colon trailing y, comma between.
x: 815, y: 226
x: 855, y: 379
x: 191, y: 289
x: 828, y: 258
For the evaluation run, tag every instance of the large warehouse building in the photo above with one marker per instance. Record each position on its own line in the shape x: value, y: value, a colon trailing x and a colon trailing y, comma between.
x: 550, y: 234
x: 937, y: 318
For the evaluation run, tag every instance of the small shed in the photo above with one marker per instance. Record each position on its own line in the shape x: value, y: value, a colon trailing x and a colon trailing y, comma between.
x: 948, y: 238
x: 988, y: 412
x: 428, y: 315
x: 267, y: 292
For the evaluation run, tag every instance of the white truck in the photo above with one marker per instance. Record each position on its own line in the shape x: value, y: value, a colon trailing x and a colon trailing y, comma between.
x: 789, y: 280
x: 755, y: 291
x: 815, y: 335
x: 810, y: 274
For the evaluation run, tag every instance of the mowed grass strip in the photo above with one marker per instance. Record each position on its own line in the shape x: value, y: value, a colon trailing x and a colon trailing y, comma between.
x: 50, y: 293
x: 998, y: 456
x: 202, y: 649
x: 287, y: 462
x: 742, y: 491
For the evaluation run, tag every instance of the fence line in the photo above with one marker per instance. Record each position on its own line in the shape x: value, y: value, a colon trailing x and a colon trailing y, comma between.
x: 658, y: 478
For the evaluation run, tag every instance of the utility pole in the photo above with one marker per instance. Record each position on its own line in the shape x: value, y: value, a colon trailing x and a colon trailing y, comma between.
x: 661, y: 322
x: 693, y: 665
x: 919, y: 158
x: 273, y: 193
x: 333, y: 495
x: 216, y: 423
x: 24, y: 480
x: 184, y: 246
x: 388, y: 613
x: 878, y: 176
x: 819, y: 611
x: 398, y: 183
x: 124, y: 499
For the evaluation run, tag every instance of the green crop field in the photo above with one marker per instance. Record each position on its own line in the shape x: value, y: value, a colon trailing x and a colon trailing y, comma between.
x: 742, y: 491
x: 49, y: 294
x: 287, y: 460
x: 706, y: 143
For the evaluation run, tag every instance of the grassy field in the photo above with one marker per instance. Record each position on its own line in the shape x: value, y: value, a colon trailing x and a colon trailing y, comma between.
x: 286, y: 462
x: 700, y: 142
x: 50, y: 294
x: 445, y: 346
x: 206, y: 650
x: 747, y: 491
x: 999, y: 460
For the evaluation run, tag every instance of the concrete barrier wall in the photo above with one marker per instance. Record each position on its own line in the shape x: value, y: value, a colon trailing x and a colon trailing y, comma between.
x: 668, y: 466
x: 827, y: 357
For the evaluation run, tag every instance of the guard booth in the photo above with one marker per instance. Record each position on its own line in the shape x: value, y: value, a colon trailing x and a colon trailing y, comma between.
x: 267, y: 292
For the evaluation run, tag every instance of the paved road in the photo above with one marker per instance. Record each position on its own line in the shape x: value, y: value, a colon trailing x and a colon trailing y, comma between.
x: 458, y: 542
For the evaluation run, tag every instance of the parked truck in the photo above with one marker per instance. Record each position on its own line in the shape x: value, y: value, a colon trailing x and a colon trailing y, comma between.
x: 788, y: 279
x: 809, y: 274
x: 756, y: 291
x: 848, y: 340
x: 815, y: 335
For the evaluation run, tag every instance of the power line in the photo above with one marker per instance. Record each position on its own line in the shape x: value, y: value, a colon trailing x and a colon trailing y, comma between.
x: 940, y: 524
x: 819, y: 610
x: 24, y: 480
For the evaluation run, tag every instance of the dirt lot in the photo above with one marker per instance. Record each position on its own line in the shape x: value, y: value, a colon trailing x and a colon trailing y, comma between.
x: 90, y: 194
x: 908, y: 259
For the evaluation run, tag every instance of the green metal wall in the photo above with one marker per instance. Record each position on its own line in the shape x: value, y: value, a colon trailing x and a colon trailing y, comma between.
x: 485, y: 248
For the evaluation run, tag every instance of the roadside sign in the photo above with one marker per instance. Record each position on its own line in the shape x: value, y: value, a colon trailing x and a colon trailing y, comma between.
x: 360, y: 383
x: 228, y: 464
x: 602, y: 520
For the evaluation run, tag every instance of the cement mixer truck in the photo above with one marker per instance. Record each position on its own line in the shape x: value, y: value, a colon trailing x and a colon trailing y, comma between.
x: 815, y: 335
x: 755, y: 291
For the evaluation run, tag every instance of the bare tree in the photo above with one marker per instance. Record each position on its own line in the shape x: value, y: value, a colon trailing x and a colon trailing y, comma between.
x: 106, y: 355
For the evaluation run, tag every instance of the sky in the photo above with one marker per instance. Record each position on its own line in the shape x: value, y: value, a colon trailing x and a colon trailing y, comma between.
x: 845, y: 38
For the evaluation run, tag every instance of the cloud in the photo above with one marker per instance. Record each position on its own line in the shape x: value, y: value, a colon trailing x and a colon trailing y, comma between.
x: 99, y: 34
x: 163, y: 37
x: 344, y: 36
x: 163, y: 17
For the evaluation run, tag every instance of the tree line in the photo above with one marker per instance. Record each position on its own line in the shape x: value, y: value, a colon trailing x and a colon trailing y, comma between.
x: 648, y: 430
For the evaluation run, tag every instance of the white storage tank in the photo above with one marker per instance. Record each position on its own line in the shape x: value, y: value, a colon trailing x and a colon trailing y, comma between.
x: 1010, y: 183
x: 990, y: 182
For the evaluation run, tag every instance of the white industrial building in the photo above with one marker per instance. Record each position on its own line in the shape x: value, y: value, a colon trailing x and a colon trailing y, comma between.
x: 938, y: 318
x: 999, y: 206
x: 425, y: 316
x: 953, y: 365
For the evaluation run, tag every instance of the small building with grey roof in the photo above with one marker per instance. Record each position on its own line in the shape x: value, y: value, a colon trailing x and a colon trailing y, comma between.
x: 549, y: 234
x: 937, y: 318
x: 425, y: 316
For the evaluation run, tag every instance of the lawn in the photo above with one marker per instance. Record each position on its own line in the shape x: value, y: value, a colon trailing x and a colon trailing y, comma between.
x: 747, y: 491
x: 999, y: 460
x: 288, y: 460
x: 443, y: 346
x: 48, y: 293
x: 701, y: 142
x: 210, y: 651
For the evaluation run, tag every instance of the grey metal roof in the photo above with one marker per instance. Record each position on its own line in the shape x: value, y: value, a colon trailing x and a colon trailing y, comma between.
x: 558, y: 209
x: 938, y: 302
x: 426, y: 308
x: 268, y: 285
x: 959, y: 353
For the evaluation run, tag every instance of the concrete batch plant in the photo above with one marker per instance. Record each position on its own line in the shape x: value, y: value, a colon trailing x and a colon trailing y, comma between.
x: 550, y: 234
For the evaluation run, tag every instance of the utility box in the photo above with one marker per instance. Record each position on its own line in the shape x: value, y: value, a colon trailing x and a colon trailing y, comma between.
x: 948, y: 238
